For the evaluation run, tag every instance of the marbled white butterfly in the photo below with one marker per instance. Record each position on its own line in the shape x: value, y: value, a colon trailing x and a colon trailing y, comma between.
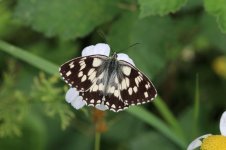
x: 114, y: 82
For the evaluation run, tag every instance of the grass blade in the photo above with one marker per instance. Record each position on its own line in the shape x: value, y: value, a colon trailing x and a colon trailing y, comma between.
x: 196, y: 106
x: 169, y: 117
x: 156, y: 123
x: 29, y: 58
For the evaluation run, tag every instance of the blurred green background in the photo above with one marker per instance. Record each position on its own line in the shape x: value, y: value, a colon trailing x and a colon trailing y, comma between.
x: 183, y: 46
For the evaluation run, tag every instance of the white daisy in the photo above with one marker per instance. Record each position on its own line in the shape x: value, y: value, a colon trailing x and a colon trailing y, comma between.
x: 211, y: 142
x: 72, y: 95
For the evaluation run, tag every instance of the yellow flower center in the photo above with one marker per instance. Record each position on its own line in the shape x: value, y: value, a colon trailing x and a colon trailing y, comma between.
x: 219, y: 66
x: 214, y: 142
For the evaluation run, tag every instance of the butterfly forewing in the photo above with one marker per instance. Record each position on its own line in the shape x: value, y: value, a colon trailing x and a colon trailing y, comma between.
x: 81, y: 72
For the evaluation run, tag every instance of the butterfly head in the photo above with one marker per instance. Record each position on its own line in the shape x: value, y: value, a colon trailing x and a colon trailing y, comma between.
x: 114, y: 56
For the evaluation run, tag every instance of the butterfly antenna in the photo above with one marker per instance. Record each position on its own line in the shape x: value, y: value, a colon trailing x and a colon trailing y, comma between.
x: 129, y: 47
x: 102, y: 35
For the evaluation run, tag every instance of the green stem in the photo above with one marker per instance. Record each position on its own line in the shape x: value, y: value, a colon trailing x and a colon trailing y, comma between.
x: 29, y: 58
x: 97, y: 140
x: 196, y: 107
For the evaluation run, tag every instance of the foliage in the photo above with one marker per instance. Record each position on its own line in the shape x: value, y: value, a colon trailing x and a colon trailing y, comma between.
x: 68, y: 20
x: 45, y: 91
x: 218, y: 9
x: 13, y: 102
x: 159, y: 7
x: 178, y: 40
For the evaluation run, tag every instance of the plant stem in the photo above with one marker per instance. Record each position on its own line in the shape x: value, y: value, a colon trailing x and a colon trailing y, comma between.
x: 97, y: 140
x: 196, y: 107
x: 31, y: 59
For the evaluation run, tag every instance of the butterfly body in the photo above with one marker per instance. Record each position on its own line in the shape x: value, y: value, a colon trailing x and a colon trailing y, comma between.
x: 107, y: 80
x: 112, y: 74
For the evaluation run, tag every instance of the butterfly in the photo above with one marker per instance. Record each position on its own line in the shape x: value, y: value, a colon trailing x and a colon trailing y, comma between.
x: 110, y: 81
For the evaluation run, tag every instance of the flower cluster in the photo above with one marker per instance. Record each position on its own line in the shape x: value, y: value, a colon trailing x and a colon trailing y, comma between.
x: 72, y: 95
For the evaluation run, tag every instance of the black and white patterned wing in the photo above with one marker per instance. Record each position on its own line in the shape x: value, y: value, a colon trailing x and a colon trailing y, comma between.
x: 114, y: 102
x: 135, y: 88
x: 81, y: 72
x: 110, y: 101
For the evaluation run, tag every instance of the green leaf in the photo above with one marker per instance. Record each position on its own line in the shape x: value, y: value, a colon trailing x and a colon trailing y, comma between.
x: 210, y: 35
x: 67, y: 19
x: 218, y: 9
x: 159, y: 7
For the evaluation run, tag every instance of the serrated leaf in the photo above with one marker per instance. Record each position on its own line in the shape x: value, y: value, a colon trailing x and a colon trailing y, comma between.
x: 211, y: 34
x: 159, y: 7
x: 218, y: 9
x: 67, y: 19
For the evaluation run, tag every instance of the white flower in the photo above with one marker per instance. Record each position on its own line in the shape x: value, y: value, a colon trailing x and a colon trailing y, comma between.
x: 223, y: 124
x: 211, y: 142
x: 72, y: 95
x: 100, y: 48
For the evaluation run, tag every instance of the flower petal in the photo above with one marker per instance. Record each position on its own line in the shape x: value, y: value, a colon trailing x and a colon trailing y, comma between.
x: 102, y: 49
x: 78, y: 103
x: 71, y: 95
x: 223, y: 124
x: 101, y: 107
x: 197, y: 142
x: 125, y: 57
x: 88, y: 50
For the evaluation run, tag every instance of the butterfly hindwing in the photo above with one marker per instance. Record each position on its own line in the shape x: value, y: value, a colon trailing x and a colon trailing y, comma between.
x: 135, y: 87
x: 92, y: 98
x: 81, y: 72
x: 114, y: 103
